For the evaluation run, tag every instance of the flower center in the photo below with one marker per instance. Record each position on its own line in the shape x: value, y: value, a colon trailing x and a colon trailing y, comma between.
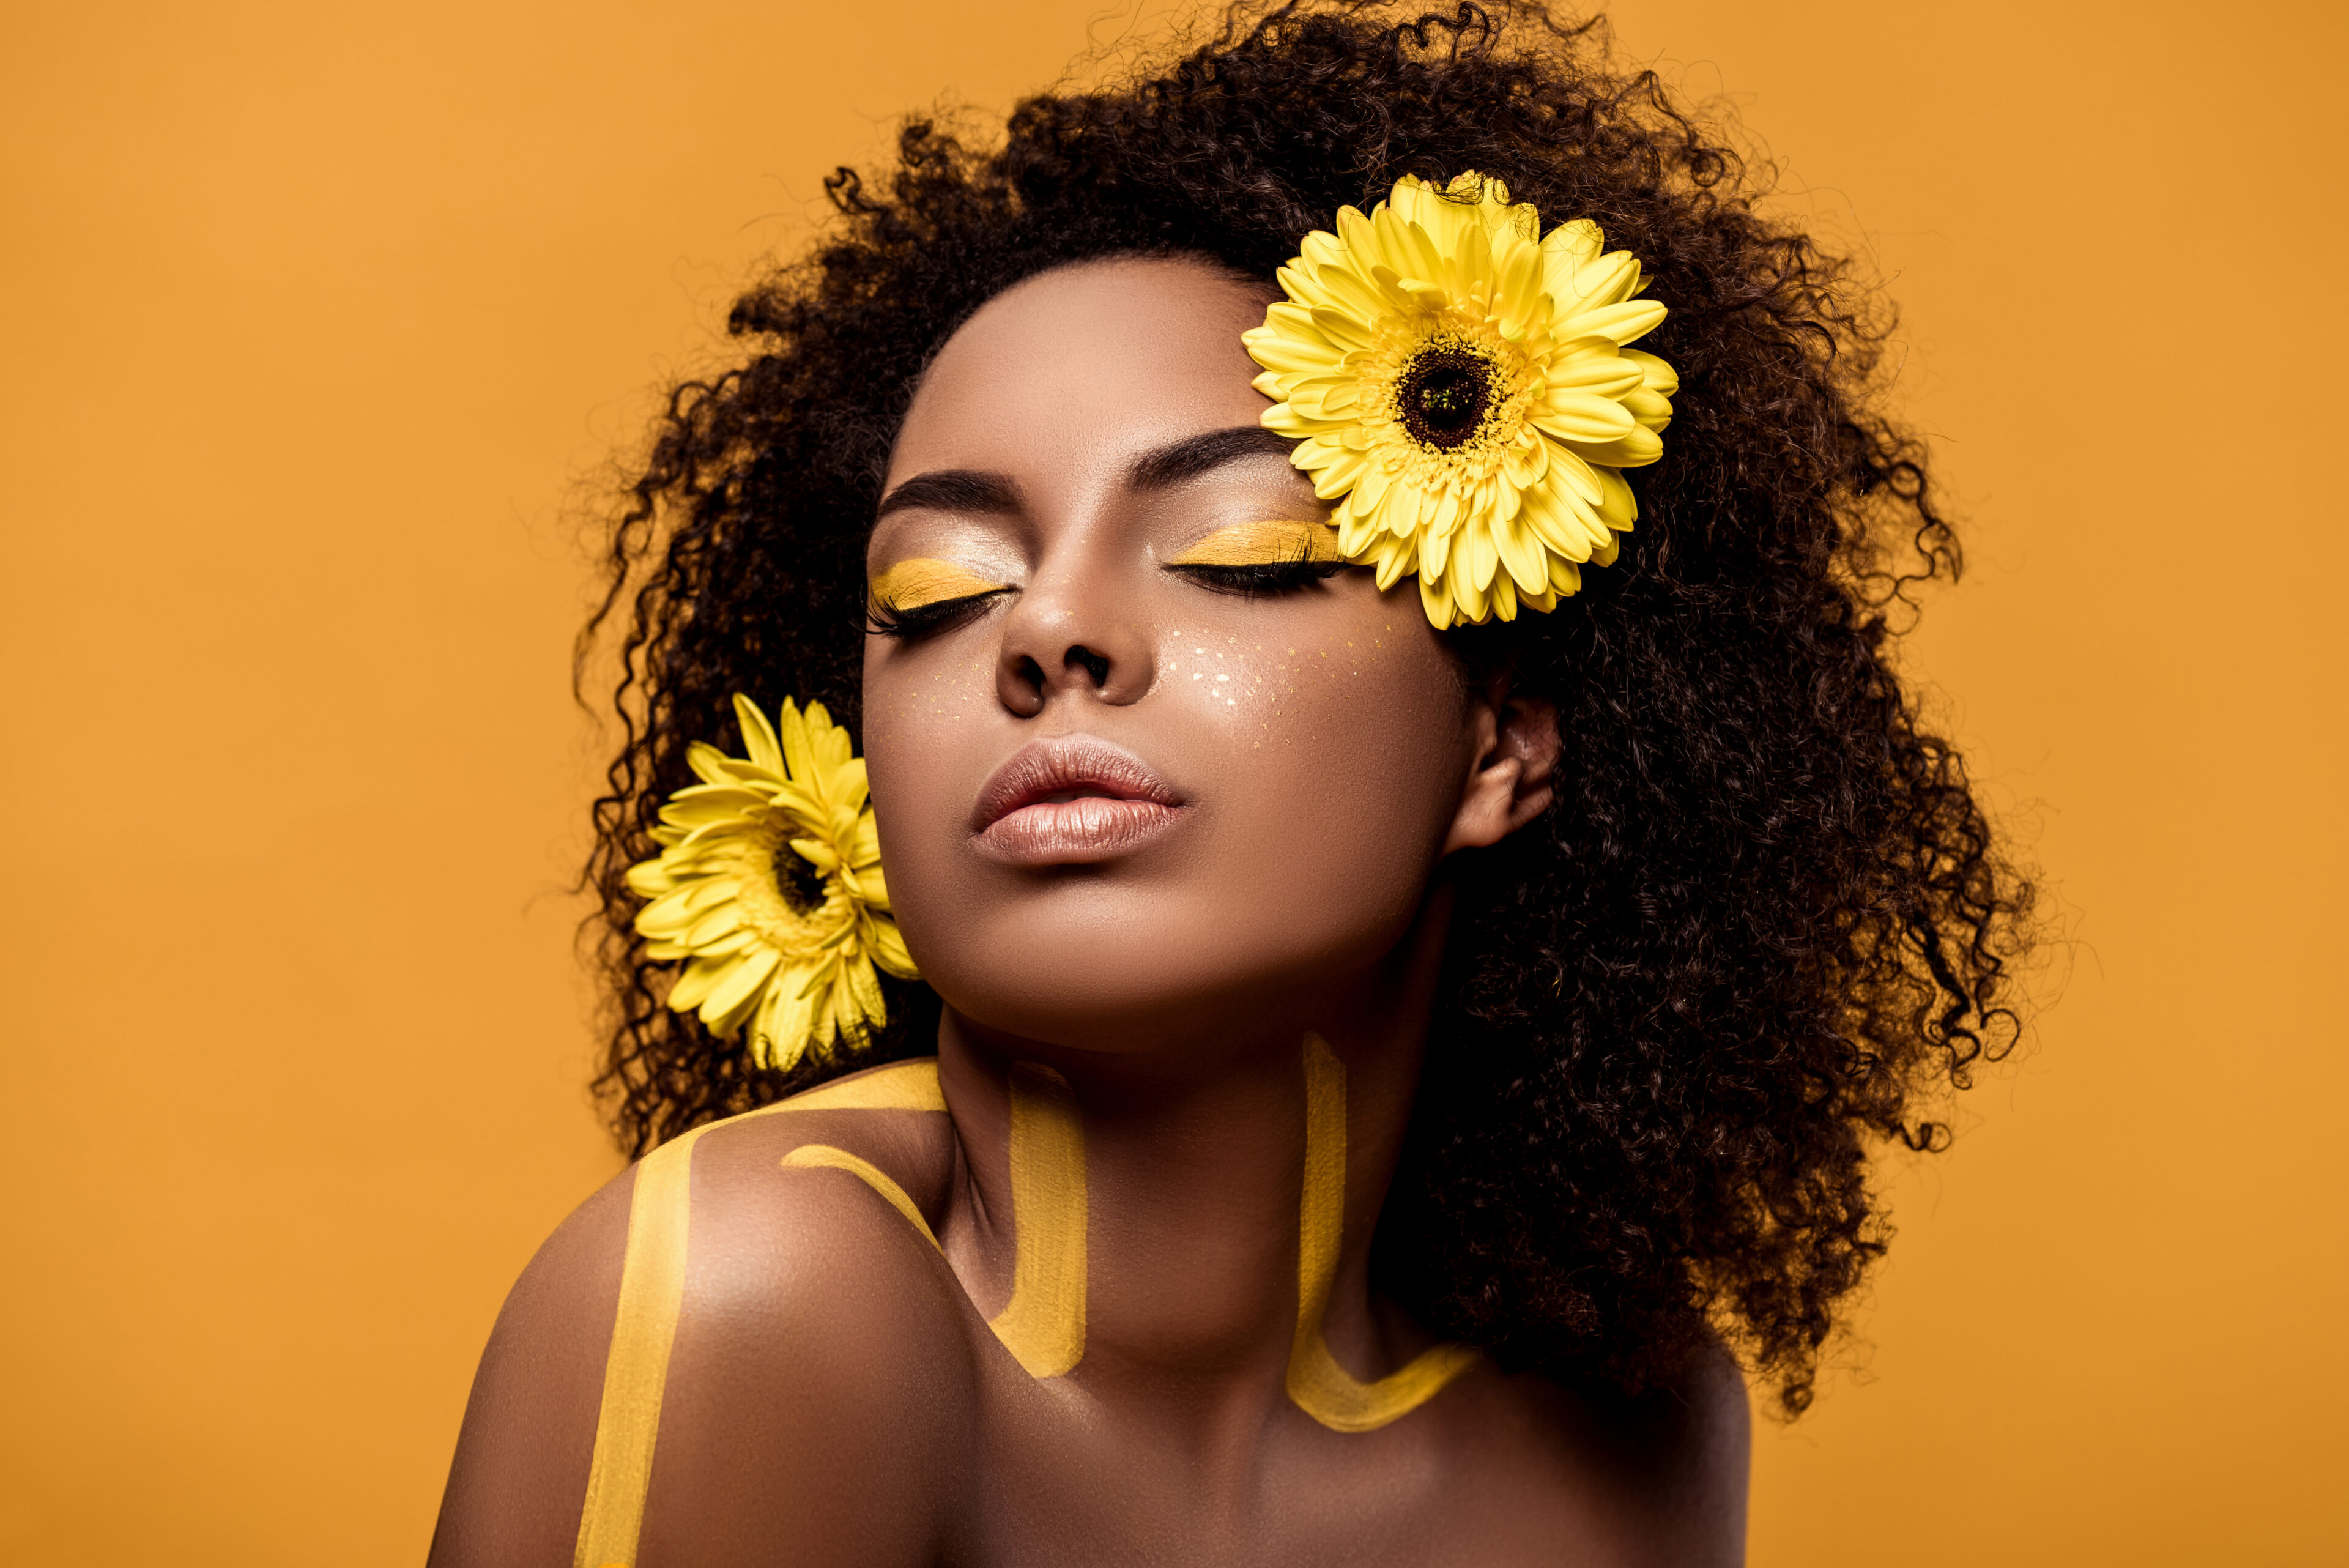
x: 802, y: 884
x: 1443, y: 395
x: 779, y: 894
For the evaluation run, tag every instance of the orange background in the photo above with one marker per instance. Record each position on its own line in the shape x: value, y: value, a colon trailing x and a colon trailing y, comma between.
x: 322, y: 325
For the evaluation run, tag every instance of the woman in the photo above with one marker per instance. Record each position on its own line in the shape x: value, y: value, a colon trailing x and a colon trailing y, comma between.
x: 1411, y: 885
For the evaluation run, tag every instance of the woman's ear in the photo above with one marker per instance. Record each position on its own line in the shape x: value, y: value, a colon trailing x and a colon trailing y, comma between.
x: 1511, y: 768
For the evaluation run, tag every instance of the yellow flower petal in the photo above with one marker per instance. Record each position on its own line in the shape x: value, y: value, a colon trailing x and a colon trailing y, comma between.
x: 1622, y: 323
x: 1578, y: 417
x: 1326, y: 396
x: 1405, y: 509
x: 1616, y: 507
x: 1546, y: 515
x: 1436, y: 600
x: 1597, y: 281
x: 1607, y: 373
x: 889, y: 950
x: 757, y: 736
x: 1504, y: 605
x: 1522, y: 560
x: 1476, y: 559
x: 1639, y: 447
x: 1660, y: 377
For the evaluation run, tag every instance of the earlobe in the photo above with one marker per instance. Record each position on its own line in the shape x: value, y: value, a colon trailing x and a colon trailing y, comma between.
x: 1510, y: 777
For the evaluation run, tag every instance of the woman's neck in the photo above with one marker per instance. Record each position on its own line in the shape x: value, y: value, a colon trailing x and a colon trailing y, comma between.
x: 1192, y: 1173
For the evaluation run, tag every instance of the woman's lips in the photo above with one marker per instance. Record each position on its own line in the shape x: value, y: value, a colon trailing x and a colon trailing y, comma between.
x: 1072, y: 800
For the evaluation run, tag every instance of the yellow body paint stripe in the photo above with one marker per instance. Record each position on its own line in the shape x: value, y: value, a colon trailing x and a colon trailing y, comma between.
x: 1043, y: 1326
x: 1321, y: 1388
x: 824, y: 1156
x: 652, y: 1290
x: 923, y: 580
x: 652, y: 1295
x: 901, y: 1087
x: 1269, y: 544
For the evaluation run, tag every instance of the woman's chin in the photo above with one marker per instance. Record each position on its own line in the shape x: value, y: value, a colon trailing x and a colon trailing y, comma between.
x: 1128, y: 987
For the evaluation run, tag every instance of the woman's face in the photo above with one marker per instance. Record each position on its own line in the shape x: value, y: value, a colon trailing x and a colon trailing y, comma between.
x: 1123, y: 798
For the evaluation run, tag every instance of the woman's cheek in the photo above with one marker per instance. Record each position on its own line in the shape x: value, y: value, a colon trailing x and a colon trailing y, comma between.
x: 926, y: 716
x: 1266, y: 689
x: 908, y: 689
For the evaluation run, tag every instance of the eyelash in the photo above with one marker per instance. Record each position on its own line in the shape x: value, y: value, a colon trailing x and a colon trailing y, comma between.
x: 1268, y: 581
x: 921, y: 620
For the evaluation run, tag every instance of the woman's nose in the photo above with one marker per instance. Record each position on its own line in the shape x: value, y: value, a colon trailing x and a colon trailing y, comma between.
x: 1069, y: 637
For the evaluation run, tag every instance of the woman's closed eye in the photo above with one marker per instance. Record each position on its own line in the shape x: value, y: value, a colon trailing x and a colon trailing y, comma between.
x: 1269, y: 557
x: 923, y: 595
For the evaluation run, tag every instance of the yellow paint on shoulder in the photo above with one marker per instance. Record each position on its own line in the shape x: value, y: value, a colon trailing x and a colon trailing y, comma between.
x: 900, y: 1086
x: 823, y: 1156
x: 652, y: 1292
x: 1272, y: 542
x: 652, y: 1295
x: 1043, y: 1326
x: 926, y: 580
x: 1320, y: 1387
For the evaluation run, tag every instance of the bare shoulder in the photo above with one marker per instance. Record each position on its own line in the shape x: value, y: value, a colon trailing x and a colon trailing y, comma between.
x: 819, y: 1366
x: 1656, y: 1478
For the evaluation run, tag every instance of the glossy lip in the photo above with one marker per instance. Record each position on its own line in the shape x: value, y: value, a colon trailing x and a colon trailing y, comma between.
x: 1072, y: 800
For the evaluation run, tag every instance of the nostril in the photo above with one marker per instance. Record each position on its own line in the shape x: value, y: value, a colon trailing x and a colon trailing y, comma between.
x: 1095, y: 666
x: 1019, y: 682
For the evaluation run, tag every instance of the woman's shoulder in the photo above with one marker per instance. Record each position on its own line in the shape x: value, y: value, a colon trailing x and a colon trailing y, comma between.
x: 788, y: 1219
x: 1657, y: 1477
x: 760, y: 1298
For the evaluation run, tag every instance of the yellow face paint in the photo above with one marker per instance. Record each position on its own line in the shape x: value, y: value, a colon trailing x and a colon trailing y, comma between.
x: 1274, y: 542
x: 1043, y: 1326
x: 1321, y: 1388
x: 912, y: 584
x: 652, y: 1295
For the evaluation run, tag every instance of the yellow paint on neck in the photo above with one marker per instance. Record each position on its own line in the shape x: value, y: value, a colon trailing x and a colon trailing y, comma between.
x: 1272, y: 542
x: 1043, y: 1326
x: 923, y: 580
x: 1321, y: 1388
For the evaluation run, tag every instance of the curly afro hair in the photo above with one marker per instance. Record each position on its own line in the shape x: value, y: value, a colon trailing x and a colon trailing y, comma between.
x: 1766, y: 923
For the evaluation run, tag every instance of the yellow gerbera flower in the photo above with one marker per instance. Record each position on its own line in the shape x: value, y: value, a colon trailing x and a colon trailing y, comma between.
x: 769, y: 885
x: 1463, y: 393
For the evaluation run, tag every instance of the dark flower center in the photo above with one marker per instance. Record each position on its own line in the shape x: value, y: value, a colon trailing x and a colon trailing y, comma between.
x: 800, y: 884
x: 1443, y: 397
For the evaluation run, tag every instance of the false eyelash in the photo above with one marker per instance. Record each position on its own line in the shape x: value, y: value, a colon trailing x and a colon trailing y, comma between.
x: 920, y: 620
x: 1272, y: 578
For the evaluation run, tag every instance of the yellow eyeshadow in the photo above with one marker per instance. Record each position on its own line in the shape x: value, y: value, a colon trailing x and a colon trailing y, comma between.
x: 1272, y: 542
x: 910, y: 585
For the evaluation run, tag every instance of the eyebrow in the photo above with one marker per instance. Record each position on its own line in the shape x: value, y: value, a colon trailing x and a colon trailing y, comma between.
x: 974, y: 490
x: 953, y: 490
x: 1189, y: 458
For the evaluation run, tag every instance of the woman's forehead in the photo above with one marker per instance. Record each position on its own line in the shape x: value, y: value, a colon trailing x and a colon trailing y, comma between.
x: 1084, y: 365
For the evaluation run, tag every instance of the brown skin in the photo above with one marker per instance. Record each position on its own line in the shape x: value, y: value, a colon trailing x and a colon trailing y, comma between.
x: 836, y: 1395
